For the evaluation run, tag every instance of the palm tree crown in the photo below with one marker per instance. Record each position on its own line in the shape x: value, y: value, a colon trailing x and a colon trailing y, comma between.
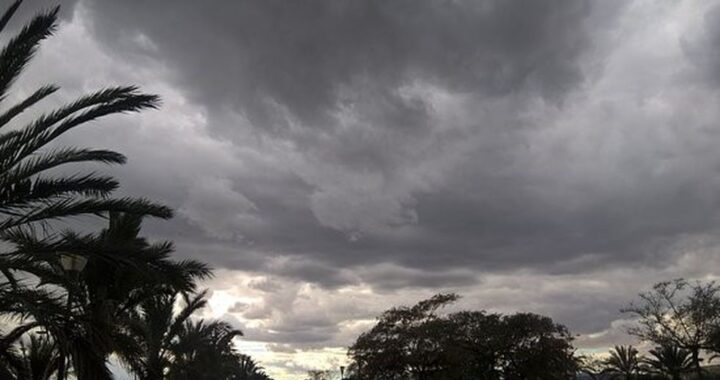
x: 624, y: 360
x: 670, y: 360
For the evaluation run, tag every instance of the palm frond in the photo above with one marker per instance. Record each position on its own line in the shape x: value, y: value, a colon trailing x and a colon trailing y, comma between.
x: 73, y: 207
x: 37, y: 164
x: 9, y: 12
x: 191, y: 306
x: 28, y: 195
x: 30, y: 101
x: 20, y: 49
x: 51, y: 126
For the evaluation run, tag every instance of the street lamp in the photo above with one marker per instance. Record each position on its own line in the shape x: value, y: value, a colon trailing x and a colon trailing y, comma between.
x: 71, y: 264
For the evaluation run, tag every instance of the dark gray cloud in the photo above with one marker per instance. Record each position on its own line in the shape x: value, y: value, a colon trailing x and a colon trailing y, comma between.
x: 301, y: 55
x: 379, y: 172
x: 552, y: 155
x: 345, y: 86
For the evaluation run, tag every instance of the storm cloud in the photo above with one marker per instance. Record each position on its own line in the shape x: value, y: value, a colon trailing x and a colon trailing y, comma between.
x: 334, y: 158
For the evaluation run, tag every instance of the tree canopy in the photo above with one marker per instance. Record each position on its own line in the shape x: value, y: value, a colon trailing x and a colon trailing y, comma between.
x: 421, y: 343
x: 679, y: 314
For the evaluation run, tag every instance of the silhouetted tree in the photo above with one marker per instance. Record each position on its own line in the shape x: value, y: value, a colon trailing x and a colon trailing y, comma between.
x: 247, y: 369
x: 40, y: 358
x: 35, y: 358
x: 203, y: 351
x: 122, y: 270
x: 670, y: 361
x: 680, y: 314
x: 154, y: 327
x: 418, y: 343
x: 32, y: 192
x: 624, y: 361
x: 172, y: 346
x: 27, y: 193
x: 125, y: 275
x: 404, y: 342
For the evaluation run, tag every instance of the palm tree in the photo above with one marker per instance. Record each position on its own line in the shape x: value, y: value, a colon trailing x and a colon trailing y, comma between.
x: 27, y: 195
x: 30, y: 197
x: 623, y: 361
x: 126, y: 271
x: 670, y: 360
x: 247, y: 369
x: 172, y: 346
x: 122, y: 270
x: 204, y: 351
x: 40, y: 358
x: 155, y: 327
x: 10, y: 362
x: 22, y: 303
x: 36, y: 358
x: 130, y: 286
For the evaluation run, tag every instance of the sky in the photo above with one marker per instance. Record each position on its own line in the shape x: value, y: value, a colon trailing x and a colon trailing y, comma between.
x: 331, y: 159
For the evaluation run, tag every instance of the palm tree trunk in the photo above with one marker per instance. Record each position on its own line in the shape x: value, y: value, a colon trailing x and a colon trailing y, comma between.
x: 61, y: 366
x: 61, y: 375
x: 696, y: 363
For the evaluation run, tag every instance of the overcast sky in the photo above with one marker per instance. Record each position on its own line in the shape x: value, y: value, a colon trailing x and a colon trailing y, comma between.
x: 334, y: 158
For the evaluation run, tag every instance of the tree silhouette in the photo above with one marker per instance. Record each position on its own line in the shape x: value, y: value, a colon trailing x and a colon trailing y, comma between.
x: 247, y: 369
x: 129, y: 284
x: 680, y: 314
x: 418, y: 342
x: 671, y: 361
x: 155, y: 326
x: 624, y: 360
x: 27, y: 194
x: 33, y: 193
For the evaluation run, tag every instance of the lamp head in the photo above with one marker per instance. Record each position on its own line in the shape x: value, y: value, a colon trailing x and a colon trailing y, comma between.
x: 71, y: 262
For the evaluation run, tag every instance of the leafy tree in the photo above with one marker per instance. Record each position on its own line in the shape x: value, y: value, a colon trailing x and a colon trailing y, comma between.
x: 418, y: 342
x: 680, y: 314
x: 537, y: 348
x: 624, y: 361
x: 670, y: 361
x: 405, y: 341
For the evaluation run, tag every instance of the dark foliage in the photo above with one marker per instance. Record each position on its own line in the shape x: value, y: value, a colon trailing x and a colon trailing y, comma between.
x: 419, y: 343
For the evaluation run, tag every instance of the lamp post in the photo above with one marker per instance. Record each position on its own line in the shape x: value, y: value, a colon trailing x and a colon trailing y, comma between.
x: 72, y: 264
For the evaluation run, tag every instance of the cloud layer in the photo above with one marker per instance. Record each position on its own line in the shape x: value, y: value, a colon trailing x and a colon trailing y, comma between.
x: 332, y: 159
